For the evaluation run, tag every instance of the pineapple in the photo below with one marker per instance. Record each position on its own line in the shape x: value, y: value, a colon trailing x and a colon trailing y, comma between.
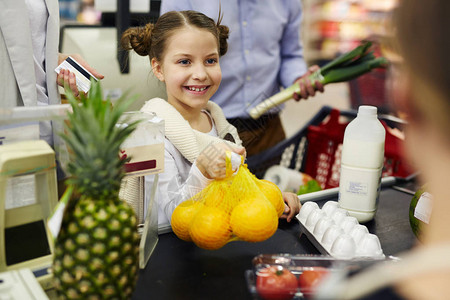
x: 96, y: 251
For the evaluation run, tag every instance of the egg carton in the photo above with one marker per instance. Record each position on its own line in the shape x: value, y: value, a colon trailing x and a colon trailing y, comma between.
x: 334, y: 232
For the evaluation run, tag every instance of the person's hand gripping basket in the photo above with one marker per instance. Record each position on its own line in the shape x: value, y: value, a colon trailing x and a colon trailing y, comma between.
x: 238, y: 207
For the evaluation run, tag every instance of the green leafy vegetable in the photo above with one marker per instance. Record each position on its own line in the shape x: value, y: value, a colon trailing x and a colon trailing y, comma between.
x: 309, y: 187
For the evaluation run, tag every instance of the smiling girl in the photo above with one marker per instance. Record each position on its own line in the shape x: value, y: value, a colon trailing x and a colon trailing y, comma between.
x: 184, y: 50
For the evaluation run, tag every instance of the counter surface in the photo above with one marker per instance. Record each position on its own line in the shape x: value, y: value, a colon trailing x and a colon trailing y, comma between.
x: 181, y: 270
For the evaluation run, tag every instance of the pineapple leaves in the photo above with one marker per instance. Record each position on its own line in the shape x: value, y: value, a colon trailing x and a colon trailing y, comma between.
x: 94, y: 134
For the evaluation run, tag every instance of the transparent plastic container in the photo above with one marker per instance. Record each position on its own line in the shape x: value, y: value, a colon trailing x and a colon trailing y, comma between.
x: 331, y: 270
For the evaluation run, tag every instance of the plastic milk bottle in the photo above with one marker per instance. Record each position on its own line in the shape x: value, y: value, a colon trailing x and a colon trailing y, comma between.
x: 361, y: 164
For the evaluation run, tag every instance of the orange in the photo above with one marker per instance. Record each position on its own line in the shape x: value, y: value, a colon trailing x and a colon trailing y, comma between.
x: 254, y: 220
x: 210, y: 228
x: 182, y: 218
x: 273, y: 194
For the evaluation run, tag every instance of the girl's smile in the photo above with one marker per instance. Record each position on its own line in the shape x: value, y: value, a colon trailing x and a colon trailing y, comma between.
x: 200, y: 90
x: 190, y: 69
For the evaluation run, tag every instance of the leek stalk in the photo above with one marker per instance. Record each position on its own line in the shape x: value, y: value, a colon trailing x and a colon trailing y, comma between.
x: 346, y: 67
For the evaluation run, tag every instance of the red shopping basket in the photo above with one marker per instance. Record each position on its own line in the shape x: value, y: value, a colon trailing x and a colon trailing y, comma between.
x: 316, y: 149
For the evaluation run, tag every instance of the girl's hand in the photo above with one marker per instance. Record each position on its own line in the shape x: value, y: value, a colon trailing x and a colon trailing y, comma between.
x: 212, y: 161
x: 292, y: 206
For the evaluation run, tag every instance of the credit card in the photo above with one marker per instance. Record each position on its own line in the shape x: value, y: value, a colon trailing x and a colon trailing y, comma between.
x: 82, y: 76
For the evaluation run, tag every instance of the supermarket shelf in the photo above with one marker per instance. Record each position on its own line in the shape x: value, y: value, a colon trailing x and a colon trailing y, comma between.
x: 332, y: 27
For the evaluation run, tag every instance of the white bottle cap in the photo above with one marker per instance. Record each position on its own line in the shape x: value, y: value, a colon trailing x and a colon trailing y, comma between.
x: 367, y: 110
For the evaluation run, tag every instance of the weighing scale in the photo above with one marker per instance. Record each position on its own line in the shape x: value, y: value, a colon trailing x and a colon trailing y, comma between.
x: 145, y: 146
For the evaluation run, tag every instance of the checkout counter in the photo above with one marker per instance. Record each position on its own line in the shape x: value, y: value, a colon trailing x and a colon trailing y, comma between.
x: 181, y: 270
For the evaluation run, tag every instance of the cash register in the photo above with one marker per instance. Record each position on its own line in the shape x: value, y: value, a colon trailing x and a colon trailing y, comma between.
x: 28, y: 191
x: 28, y: 195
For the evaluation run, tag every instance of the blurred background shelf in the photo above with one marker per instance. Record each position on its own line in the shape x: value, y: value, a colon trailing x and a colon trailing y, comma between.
x: 332, y: 27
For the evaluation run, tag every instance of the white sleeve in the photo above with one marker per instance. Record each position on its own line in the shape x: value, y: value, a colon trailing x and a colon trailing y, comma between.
x: 175, y: 187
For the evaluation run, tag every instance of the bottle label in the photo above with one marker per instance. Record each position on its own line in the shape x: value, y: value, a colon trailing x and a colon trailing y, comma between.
x: 424, y: 207
x: 356, y: 187
x: 359, y: 188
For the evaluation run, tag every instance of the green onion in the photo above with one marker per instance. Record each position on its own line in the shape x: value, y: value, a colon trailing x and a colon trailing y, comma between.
x: 346, y: 67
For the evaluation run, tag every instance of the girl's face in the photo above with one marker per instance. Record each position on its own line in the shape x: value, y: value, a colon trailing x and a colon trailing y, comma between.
x: 190, y: 68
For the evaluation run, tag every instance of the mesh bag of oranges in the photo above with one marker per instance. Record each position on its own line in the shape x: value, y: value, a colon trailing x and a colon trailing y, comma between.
x: 238, y: 207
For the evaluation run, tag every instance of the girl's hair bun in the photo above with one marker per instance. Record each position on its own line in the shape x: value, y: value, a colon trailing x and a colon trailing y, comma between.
x: 138, y: 39
x: 223, y: 36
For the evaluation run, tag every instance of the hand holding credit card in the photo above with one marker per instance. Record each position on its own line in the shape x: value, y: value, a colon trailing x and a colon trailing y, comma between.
x: 82, y: 76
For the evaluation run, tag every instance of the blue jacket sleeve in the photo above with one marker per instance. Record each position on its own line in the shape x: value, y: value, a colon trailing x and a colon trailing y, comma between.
x: 292, y: 61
